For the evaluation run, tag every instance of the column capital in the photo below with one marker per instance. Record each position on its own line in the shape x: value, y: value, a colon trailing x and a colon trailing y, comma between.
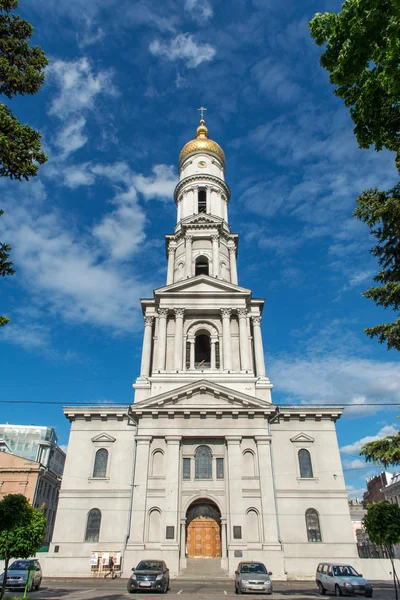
x: 262, y: 440
x: 232, y: 249
x: 143, y: 439
x: 179, y: 312
x: 173, y: 439
x: 256, y: 319
x: 148, y: 321
x: 188, y: 238
x: 215, y: 237
x: 233, y: 439
x: 171, y: 249
x: 242, y: 312
x: 226, y: 312
x: 163, y: 313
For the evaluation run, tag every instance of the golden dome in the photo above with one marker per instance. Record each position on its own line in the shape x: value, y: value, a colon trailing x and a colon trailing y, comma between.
x: 202, y: 143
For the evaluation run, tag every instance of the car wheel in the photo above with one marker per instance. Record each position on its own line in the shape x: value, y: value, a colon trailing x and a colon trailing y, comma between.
x: 37, y: 586
x: 338, y: 591
x: 321, y: 588
x: 165, y: 588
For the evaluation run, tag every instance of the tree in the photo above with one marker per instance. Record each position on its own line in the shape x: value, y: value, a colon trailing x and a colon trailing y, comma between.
x: 21, y: 72
x: 21, y: 531
x: 362, y: 55
x: 382, y: 523
x: 385, y: 452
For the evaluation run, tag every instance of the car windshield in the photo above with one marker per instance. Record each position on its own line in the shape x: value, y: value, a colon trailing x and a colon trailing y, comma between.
x: 149, y: 565
x: 253, y: 568
x: 344, y: 571
x: 20, y: 565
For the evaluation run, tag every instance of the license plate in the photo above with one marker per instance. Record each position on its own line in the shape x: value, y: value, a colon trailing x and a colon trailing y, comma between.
x: 145, y: 584
x: 256, y: 587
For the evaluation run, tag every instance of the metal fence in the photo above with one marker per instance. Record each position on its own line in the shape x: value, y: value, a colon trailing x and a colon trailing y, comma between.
x: 368, y: 550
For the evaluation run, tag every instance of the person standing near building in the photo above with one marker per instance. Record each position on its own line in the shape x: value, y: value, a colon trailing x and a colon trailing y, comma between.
x: 111, y: 567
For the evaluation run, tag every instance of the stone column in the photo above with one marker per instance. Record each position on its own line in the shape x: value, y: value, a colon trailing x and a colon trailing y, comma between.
x: 243, y: 340
x: 172, y: 482
x: 232, y: 261
x: 178, y: 351
x: 188, y: 256
x: 147, y: 344
x: 183, y: 538
x: 267, y: 489
x: 140, y: 488
x: 208, y: 199
x: 171, y: 264
x: 225, y: 208
x: 162, y: 338
x: 179, y: 209
x: 224, y: 549
x: 215, y: 255
x: 226, y: 338
x: 192, y: 342
x: 213, y: 341
x: 234, y: 456
x: 258, y: 347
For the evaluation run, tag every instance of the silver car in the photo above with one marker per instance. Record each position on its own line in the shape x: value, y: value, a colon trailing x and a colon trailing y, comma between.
x: 17, y: 574
x: 341, y: 580
x: 252, y: 577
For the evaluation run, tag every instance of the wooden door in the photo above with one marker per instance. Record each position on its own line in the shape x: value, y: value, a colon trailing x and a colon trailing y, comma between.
x: 203, y: 538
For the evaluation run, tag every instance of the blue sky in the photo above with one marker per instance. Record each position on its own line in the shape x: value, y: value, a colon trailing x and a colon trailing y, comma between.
x: 120, y: 99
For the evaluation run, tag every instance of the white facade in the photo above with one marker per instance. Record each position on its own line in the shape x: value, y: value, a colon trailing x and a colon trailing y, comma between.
x: 203, y: 464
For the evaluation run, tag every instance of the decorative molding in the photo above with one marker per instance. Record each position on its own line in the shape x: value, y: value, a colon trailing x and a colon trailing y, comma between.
x: 242, y: 312
x: 103, y: 437
x: 202, y: 177
x: 256, y: 320
x: 179, y: 312
x: 301, y: 438
x: 226, y: 312
x: 148, y: 321
x: 232, y: 250
x: 188, y: 238
x: 163, y: 313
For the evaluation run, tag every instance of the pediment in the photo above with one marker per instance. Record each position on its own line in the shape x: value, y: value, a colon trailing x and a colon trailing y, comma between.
x: 202, y: 218
x: 202, y: 283
x: 103, y: 437
x: 302, y: 437
x: 205, y: 396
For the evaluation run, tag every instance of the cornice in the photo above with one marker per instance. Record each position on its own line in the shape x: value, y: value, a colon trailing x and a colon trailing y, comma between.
x: 103, y: 412
x: 202, y: 177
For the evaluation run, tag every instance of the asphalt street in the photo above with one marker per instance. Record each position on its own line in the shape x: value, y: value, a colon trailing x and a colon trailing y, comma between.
x: 100, y: 589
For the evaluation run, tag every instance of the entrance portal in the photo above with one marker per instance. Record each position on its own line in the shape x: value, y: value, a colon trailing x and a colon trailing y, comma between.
x: 203, y: 538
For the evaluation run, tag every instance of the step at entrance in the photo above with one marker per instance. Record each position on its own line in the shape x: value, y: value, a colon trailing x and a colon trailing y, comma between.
x: 203, y: 568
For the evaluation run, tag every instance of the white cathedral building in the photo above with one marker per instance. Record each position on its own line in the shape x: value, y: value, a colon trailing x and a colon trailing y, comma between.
x: 202, y: 464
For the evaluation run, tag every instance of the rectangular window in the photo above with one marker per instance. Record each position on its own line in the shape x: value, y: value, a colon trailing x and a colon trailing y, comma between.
x: 202, y: 200
x: 220, y: 468
x: 186, y: 468
x: 170, y: 532
x: 237, y: 532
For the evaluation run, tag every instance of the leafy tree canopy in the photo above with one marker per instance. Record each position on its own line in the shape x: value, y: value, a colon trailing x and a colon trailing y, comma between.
x: 14, y: 510
x: 382, y: 523
x: 385, y: 452
x: 362, y: 55
x: 381, y: 212
x: 25, y: 540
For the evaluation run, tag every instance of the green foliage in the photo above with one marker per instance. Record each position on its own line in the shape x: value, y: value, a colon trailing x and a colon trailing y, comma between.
x: 380, y: 211
x: 382, y: 523
x: 5, y: 269
x: 25, y: 540
x: 385, y: 452
x: 362, y: 56
x: 15, y: 510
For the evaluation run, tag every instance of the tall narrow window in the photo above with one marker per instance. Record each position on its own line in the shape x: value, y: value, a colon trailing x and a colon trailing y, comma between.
x: 313, y: 526
x: 186, y: 468
x: 100, y: 463
x: 93, y: 525
x: 220, y: 468
x: 203, y: 463
x: 202, y: 266
x: 305, y: 463
x: 202, y: 352
x: 202, y: 201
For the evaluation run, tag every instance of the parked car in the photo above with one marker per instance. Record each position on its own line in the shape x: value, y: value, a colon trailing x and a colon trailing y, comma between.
x: 341, y: 579
x: 252, y: 577
x: 149, y: 575
x: 17, y: 574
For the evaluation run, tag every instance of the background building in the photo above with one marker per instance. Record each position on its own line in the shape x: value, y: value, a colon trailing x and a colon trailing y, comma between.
x: 375, y: 485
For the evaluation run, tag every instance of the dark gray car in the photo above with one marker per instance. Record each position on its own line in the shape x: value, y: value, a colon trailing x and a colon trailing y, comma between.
x: 17, y: 574
x: 252, y: 577
x: 151, y: 575
x: 341, y: 580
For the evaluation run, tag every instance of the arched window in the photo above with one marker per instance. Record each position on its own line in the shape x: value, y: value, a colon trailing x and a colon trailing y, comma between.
x: 252, y: 526
x: 202, y: 351
x: 305, y: 463
x: 248, y: 463
x: 203, y: 463
x: 100, y: 463
x: 93, y: 525
x: 313, y: 526
x: 202, y: 201
x: 158, y: 463
x: 155, y: 525
x: 201, y: 265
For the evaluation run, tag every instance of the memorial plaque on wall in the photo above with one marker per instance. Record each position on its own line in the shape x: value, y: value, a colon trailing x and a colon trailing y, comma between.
x: 170, y: 532
x: 237, y: 532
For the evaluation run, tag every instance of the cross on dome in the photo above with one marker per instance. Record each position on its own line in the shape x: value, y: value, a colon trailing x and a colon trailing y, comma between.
x: 202, y: 109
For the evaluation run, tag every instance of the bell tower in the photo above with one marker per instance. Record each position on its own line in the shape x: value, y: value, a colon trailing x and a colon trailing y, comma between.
x: 202, y: 323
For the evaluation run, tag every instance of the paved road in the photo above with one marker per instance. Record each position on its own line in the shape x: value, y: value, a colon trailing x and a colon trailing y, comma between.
x: 99, y: 589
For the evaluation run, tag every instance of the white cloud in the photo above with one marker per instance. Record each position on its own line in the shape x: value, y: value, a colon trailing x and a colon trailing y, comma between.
x: 199, y: 10
x: 71, y: 137
x: 355, y: 447
x: 183, y: 47
x: 78, y: 86
x: 276, y: 81
x: 160, y: 185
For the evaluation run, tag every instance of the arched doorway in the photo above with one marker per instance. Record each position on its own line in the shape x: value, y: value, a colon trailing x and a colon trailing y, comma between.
x: 203, y: 539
